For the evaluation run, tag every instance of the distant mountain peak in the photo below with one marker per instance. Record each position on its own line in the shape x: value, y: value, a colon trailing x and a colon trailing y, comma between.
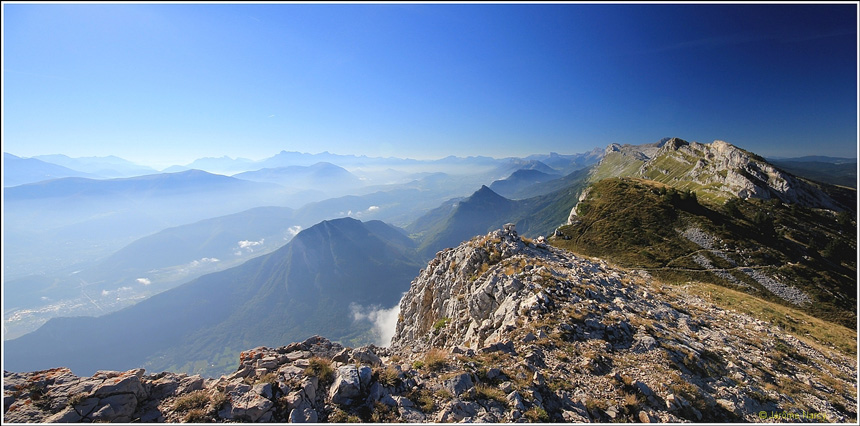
x: 485, y: 193
x: 718, y: 170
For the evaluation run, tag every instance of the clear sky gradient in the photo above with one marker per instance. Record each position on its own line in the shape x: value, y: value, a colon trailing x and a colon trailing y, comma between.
x: 164, y: 84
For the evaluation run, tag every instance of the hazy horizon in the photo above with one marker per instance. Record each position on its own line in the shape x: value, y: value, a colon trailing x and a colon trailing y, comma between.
x: 161, y: 166
x: 164, y: 84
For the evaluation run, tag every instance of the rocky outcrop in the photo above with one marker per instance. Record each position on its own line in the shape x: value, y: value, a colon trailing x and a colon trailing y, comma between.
x: 719, y: 170
x: 744, y: 175
x: 498, y: 329
x: 706, y: 241
x: 578, y: 336
x: 571, y: 218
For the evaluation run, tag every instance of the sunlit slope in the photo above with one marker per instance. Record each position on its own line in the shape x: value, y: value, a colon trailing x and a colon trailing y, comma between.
x: 717, y: 172
x: 791, y: 254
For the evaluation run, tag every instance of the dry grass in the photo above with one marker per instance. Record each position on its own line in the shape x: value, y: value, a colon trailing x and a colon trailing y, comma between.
x: 218, y: 400
x: 484, y: 391
x: 388, y: 376
x: 436, y: 359
x: 423, y: 398
x: 319, y: 367
x: 196, y: 415
x: 77, y: 399
x: 194, y: 400
x: 536, y: 415
x: 816, y: 332
x: 631, y: 401
x: 443, y: 394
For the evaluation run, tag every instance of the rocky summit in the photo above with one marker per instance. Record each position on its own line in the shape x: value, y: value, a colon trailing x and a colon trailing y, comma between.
x: 498, y: 329
x: 718, y: 170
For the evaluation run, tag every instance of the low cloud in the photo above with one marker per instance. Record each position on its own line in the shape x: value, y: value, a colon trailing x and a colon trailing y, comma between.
x: 293, y: 231
x: 196, y: 263
x: 144, y: 281
x: 247, y: 246
x: 359, y: 213
x: 384, y: 320
x: 121, y: 289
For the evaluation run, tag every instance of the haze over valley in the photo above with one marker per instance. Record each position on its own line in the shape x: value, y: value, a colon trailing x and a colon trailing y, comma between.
x: 86, y: 246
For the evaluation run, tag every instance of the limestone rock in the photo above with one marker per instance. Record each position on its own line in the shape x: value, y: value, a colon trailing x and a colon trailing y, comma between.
x: 346, y: 386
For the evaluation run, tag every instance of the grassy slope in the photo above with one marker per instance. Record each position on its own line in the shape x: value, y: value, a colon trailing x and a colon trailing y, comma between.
x: 636, y: 224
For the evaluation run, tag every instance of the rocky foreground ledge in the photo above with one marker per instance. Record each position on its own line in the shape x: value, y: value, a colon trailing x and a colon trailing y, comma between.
x: 271, y: 385
x: 499, y: 329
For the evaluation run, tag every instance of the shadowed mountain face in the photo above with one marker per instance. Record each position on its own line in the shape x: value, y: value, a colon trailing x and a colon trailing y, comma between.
x: 474, y: 215
x: 458, y: 220
x: 304, y: 288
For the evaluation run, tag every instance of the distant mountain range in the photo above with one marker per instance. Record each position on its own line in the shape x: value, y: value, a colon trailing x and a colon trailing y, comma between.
x: 19, y: 171
x: 319, y: 176
x: 105, y: 167
x: 70, y: 271
x: 62, y: 222
x: 566, y: 164
x: 306, y: 287
x: 814, y: 159
x: 147, y: 266
x: 519, y: 180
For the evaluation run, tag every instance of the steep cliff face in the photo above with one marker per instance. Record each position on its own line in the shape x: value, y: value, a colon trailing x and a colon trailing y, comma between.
x: 498, y: 329
x: 717, y: 171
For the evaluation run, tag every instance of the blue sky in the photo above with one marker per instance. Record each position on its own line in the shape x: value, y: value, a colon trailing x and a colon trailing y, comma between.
x: 164, y: 84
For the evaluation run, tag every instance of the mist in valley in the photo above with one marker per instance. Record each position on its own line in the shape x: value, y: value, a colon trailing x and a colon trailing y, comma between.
x: 93, y: 245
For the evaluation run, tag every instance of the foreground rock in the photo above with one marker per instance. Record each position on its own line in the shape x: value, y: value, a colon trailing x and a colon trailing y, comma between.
x: 495, y: 330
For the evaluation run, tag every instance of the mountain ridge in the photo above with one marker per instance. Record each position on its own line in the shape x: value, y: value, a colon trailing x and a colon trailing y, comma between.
x: 716, y: 171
